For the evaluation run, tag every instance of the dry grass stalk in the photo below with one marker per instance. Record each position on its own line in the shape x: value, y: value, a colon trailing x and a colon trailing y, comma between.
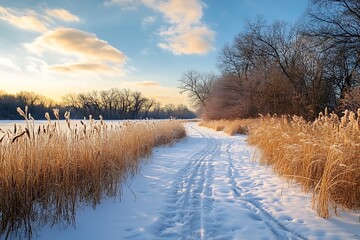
x: 46, y: 172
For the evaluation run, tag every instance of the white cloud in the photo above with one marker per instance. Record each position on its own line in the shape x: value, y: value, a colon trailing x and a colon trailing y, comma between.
x: 30, y: 20
x: 148, y: 20
x: 6, y: 63
x: 62, y: 14
x: 36, y: 65
x: 86, y: 51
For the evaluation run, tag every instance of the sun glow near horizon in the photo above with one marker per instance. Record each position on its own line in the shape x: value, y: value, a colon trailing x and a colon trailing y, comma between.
x: 57, y: 89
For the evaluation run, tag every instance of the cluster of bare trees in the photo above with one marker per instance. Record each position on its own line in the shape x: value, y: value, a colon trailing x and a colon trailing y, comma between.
x: 111, y: 104
x: 281, y: 69
x: 122, y: 104
x: 37, y: 104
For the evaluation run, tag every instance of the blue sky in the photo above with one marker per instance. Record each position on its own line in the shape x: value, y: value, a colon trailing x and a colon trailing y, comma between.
x: 59, y: 47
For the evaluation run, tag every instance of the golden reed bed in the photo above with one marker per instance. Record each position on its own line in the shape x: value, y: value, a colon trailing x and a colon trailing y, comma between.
x: 46, y: 171
x: 323, y: 155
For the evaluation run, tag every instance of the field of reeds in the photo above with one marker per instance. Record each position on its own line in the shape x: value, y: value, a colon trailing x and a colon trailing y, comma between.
x: 323, y: 155
x: 46, y: 172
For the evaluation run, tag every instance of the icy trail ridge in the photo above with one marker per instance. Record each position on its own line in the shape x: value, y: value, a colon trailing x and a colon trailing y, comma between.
x: 206, y: 186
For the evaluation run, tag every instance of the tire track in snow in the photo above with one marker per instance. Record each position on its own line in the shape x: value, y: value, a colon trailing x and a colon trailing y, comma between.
x: 279, y: 230
x: 191, y: 199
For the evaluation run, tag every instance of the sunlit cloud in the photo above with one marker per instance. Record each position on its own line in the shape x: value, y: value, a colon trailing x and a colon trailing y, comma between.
x: 197, y: 40
x: 147, y: 84
x: 88, y: 52
x: 178, y: 11
x: 62, y: 14
x: 82, y: 67
x: 30, y: 20
x: 8, y: 64
x: 24, y: 19
x: 76, y: 42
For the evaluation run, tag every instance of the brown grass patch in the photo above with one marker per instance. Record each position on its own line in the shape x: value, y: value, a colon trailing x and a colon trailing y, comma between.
x: 46, y: 172
x: 231, y: 127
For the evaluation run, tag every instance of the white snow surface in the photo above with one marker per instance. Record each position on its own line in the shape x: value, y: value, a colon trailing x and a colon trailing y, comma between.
x: 206, y: 186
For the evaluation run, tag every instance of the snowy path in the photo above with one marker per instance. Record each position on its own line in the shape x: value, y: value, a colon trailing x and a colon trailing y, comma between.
x: 206, y: 187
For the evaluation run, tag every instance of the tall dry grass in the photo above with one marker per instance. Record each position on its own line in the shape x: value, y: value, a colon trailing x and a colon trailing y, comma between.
x: 231, y: 127
x: 46, y: 171
x: 323, y: 155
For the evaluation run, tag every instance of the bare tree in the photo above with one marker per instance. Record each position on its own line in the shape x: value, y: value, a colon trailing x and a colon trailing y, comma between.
x: 227, y: 100
x: 138, y: 102
x: 231, y: 60
x: 108, y: 102
x: 351, y: 100
x: 28, y: 98
x: 335, y: 20
x: 169, y: 109
x: 335, y: 26
x: 197, y: 85
x: 263, y: 51
x: 148, y: 104
x: 71, y: 100
x: 157, y: 109
x: 124, y: 103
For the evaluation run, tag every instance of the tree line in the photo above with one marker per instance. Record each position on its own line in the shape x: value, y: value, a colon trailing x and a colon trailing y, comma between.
x: 281, y: 69
x: 111, y: 104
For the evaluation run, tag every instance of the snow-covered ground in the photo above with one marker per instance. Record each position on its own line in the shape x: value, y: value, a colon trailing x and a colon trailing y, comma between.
x: 207, y: 186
